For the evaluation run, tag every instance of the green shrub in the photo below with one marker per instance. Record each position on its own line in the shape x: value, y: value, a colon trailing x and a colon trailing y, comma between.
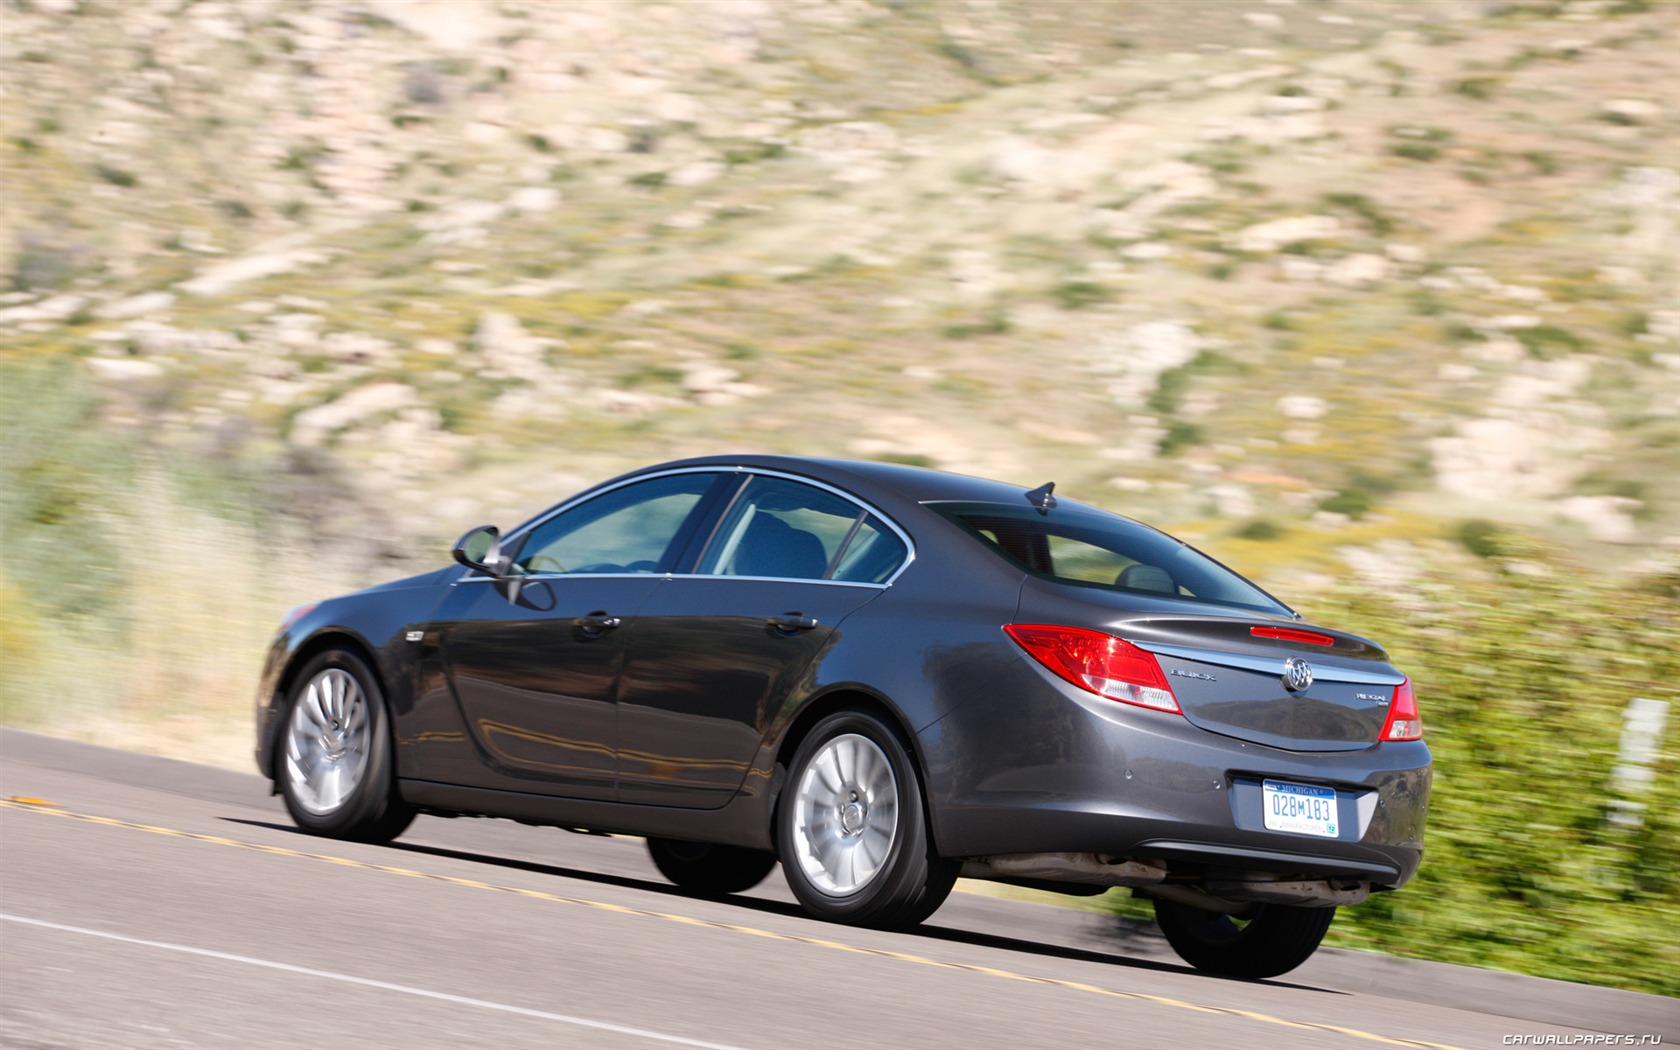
x: 1546, y: 341
x: 1076, y: 295
x: 1481, y: 538
x: 1522, y: 680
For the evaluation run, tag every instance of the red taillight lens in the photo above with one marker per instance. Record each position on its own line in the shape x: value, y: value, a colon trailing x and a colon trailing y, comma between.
x: 1099, y: 663
x: 297, y: 614
x: 1403, y: 721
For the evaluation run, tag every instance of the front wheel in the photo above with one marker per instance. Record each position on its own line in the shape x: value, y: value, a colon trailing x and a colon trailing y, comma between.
x: 705, y: 868
x: 1264, y: 941
x: 851, y: 829
x: 335, y: 770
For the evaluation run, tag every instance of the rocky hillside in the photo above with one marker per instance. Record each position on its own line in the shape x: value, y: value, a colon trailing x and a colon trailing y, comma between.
x: 1315, y: 283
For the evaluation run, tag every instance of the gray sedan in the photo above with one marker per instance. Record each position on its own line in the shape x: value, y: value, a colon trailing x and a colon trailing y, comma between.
x: 882, y: 677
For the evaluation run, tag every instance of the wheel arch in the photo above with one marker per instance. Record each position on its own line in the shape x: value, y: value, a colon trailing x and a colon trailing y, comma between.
x: 312, y: 647
x: 845, y: 698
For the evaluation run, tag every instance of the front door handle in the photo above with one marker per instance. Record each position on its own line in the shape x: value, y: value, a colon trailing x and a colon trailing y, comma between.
x: 596, y: 623
x: 793, y: 621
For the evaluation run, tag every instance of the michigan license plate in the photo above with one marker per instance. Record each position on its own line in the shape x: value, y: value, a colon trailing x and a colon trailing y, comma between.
x: 1299, y: 808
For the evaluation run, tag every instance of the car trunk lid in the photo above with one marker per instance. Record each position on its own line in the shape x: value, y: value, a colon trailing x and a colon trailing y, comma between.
x: 1282, y: 695
x: 1262, y: 679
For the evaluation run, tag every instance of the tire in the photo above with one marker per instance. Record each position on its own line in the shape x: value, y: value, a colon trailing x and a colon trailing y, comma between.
x: 709, y: 869
x: 334, y: 766
x: 851, y: 828
x: 1269, y: 940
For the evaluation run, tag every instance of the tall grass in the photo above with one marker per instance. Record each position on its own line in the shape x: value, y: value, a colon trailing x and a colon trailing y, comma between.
x: 133, y: 611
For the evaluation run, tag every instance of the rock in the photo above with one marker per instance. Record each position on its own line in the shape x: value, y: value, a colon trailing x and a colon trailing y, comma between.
x: 358, y: 348
x: 1495, y: 459
x: 456, y: 26
x: 1263, y: 19
x: 1631, y: 110
x: 534, y: 199
x: 604, y: 140
x: 1232, y: 500
x: 508, y: 349
x: 219, y: 279
x: 136, y: 306
x: 848, y: 140
x: 56, y: 308
x: 713, y: 384
x: 697, y: 173
x: 1141, y: 353
x: 313, y: 425
x: 975, y: 273
x: 1302, y: 406
x: 1607, y: 518
x: 1357, y: 271
x: 1270, y: 236
x: 1241, y: 77
x: 1389, y: 568
x: 1298, y: 269
x: 461, y: 222
x: 123, y: 368
x: 1284, y: 105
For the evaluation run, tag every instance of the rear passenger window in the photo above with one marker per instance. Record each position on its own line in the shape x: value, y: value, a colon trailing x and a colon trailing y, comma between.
x: 784, y: 529
x: 873, y: 555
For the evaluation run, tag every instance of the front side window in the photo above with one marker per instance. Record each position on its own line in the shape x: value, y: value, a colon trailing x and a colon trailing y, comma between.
x: 1092, y: 548
x: 785, y: 529
x: 629, y: 529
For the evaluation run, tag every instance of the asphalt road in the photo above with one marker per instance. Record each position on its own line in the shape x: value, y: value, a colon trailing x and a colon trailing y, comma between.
x: 150, y: 903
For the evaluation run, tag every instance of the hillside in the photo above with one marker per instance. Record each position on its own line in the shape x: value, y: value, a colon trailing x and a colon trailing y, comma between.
x: 1293, y: 264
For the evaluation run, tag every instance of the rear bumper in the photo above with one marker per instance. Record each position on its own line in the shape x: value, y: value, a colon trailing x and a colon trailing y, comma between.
x: 1037, y: 766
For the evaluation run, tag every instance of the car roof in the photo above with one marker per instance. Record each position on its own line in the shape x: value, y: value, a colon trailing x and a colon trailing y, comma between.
x: 892, y: 481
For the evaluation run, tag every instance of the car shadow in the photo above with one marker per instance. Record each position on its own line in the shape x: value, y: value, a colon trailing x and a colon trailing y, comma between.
x: 926, y: 931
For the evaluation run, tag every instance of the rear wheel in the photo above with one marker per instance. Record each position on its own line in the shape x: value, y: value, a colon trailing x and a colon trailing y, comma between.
x: 851, y: 829
x: 1263, y: 941
x: 706, y: 868
x: 335, y: 770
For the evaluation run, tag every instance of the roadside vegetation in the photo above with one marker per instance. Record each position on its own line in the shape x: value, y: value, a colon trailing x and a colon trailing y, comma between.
x: 1539, y: 858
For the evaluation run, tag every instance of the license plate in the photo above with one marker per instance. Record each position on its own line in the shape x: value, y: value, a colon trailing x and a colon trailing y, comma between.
x: 1299, y: 808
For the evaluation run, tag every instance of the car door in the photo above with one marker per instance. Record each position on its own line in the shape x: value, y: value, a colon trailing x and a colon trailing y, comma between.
x: 534, y: 658
x: 717, y: 652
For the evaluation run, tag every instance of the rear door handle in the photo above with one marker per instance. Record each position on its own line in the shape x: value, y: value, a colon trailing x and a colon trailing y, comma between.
x: 596, y: 623
x: 793, y: 621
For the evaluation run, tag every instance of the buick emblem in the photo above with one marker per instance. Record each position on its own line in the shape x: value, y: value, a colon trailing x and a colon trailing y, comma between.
x: 1297, y: 674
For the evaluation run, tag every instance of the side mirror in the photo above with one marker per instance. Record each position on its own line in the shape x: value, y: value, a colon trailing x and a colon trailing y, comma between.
x: 481, y: 549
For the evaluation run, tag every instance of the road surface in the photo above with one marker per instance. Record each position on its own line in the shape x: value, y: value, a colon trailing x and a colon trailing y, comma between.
x: 152, y: 903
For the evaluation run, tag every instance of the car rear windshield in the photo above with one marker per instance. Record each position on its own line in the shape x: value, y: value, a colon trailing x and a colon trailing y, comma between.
x: 1092, y: 548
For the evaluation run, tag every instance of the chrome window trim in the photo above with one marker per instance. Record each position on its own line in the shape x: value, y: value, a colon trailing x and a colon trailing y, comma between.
x: 903, y: 537
x: 673, y: 577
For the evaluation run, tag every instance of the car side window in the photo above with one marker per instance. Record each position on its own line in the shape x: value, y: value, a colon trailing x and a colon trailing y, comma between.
x: 873, y: 554
x: 630, y: 529
x: 786, y: 529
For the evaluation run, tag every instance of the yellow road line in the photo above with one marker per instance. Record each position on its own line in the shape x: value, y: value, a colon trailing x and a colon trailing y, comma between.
x: 35, y: 806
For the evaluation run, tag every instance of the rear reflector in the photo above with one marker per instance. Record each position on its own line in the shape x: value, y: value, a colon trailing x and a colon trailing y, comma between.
x: 1289, y: 634
x: 1098, y: 663
x: 1403, y: 721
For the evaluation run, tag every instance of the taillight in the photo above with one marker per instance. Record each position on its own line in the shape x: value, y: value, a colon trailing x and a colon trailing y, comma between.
x: 1290, y: 634
x: 297, y: 614
x: 1099, y: 663
x: 1403, y: 721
